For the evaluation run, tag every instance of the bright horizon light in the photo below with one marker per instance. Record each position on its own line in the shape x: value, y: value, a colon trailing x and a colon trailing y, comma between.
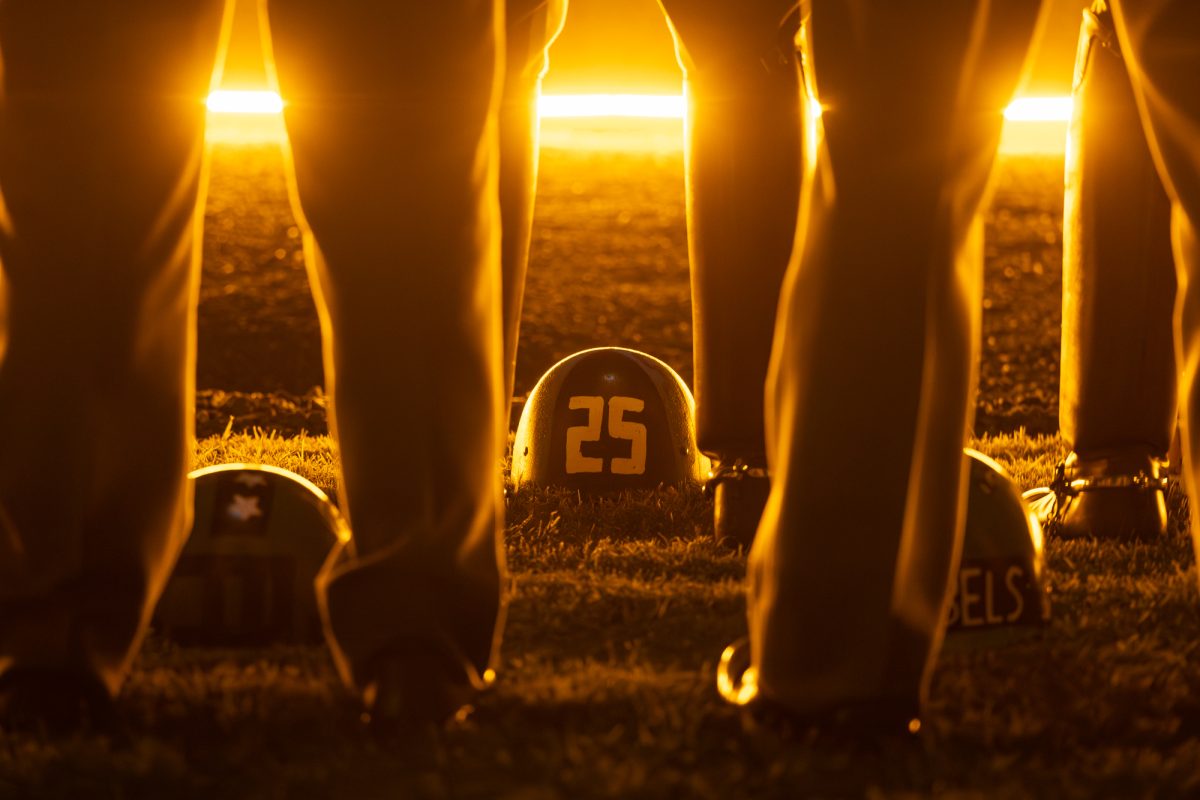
x: 230, y: 102
x: 1039, y: 109
x: 653, y: 106
x: 1032, y: 124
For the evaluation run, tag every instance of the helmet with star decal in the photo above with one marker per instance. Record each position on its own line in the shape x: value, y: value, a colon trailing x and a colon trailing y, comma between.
x: 245, y: 576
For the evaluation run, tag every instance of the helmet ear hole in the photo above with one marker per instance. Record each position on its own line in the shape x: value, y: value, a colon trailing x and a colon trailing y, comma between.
x: 999, y: 587
x: 245, y: 576
x: 608, y: 419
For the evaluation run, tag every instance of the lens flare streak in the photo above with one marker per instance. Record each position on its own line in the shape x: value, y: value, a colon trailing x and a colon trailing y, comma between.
x: 1039, y: 109
x: 231, y: 102
x: 1034, y: 124
x: 657, y: 106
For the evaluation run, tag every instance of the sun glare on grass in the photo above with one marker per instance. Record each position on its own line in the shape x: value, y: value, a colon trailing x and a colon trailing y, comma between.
x: 1032, y: 124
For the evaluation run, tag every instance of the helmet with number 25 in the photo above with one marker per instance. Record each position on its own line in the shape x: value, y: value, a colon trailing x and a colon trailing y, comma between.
x: 608, y: 419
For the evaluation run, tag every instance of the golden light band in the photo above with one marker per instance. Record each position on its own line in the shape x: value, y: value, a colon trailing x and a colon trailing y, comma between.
x: 649, y: 106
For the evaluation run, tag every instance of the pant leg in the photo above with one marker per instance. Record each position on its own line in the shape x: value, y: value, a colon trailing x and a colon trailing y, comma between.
x: 1161, y: 42
x: 873, y: 367
x: 1117, y: 388
x: 743, y: 189
x: 530, y: 28
x: 101, y: 171
x: 390, y: 112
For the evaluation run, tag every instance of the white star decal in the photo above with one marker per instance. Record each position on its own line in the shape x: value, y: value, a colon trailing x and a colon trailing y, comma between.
x: 243, y: 508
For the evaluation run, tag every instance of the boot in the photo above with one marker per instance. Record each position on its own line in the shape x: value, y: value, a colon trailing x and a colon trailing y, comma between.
x: 1119, y: 495
x: 739, y: 490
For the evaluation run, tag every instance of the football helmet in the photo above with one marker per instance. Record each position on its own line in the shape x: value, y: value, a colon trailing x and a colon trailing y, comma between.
x: 608, y: 419
x: 999, y: 586
x: 245, y: 576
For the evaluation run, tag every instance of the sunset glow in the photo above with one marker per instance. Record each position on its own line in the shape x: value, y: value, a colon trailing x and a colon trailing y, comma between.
x: 1034, y: 124
x: 654, y: 106
x: 229, y: 102
x: 1039, y: 109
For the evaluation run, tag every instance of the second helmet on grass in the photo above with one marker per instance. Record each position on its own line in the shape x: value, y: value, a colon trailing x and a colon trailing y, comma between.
x: 999, y: 587
x: 245, y: 576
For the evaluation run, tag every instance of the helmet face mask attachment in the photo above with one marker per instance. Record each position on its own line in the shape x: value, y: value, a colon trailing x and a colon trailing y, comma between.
x: 245, y: 575
x: 1120, y: 496
x: 608, y: 419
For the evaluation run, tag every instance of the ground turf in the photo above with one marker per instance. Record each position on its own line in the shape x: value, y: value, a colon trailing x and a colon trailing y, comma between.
x: 621, y: 606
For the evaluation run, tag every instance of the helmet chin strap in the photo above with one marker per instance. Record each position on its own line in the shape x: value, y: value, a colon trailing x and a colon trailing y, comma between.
x: 1072, y: 487
x: 1085, y: 491
x: 737, y: 470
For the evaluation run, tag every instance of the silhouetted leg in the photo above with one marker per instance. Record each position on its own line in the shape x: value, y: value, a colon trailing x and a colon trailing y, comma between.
x: 743, y: 143
x: 101, y: 172
x: 1117, y: 399
x: 531, y: 26
x: 391, y: 119
x: 873, y: 369
x: 1161, y: 42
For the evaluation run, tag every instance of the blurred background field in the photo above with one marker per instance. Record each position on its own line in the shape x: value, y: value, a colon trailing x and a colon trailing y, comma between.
x: 609, y: 260
x: 608, y: 266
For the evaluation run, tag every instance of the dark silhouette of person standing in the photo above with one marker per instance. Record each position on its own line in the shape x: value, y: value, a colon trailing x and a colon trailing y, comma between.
x: 392, y: 117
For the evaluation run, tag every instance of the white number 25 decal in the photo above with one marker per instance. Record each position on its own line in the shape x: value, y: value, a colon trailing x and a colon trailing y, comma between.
x: 618, y: 428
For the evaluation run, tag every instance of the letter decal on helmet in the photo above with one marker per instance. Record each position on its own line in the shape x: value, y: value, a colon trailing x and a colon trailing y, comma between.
x: 634, y: 432
x: 619, y: 429
x: 999, y: 588
x: 1015, y: 591
x: 968, y: 599
x: 995, y: 592
x: 577, y: 462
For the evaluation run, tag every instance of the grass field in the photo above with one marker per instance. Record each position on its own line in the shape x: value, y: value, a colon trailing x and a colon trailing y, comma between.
x: 621, y: 606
